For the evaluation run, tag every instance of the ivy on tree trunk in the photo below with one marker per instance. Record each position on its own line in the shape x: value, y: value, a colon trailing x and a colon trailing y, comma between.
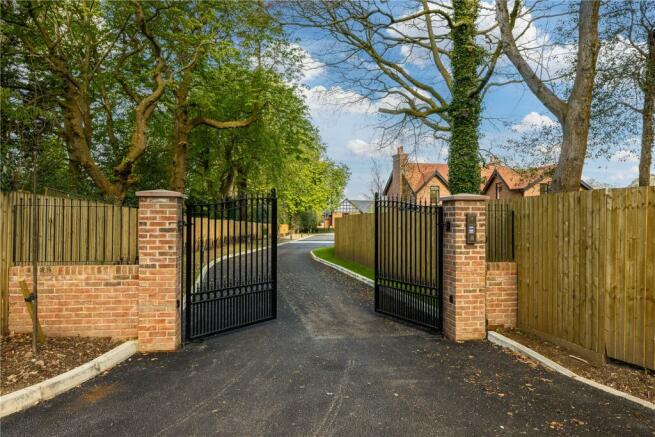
x: 465, y: 108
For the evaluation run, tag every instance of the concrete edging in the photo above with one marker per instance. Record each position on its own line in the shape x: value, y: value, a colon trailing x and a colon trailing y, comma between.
x: 515, y: 346
x: 44, y: 390
x: 350, y: 273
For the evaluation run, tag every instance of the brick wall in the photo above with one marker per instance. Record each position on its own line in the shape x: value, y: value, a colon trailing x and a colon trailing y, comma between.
x: 464, y: 269
x: 502, y: 295
x: 121, y: 301
x: 160, y: 264
x: 90, y: 300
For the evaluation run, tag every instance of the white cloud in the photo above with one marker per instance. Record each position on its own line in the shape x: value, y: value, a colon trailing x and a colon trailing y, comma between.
x: 623, y: 175
x: 311, y: 68
x: 625, y: 156
x: 368, y: 149
x: 533, y: 121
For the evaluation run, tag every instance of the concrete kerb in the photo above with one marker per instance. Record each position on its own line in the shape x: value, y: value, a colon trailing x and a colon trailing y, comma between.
x: 30, y: 396
x: 350, y: 273
x: 508, y: 343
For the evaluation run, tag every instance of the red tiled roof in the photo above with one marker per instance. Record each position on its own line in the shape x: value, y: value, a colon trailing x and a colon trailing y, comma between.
x: 418, y: 174
x: 524, y: 178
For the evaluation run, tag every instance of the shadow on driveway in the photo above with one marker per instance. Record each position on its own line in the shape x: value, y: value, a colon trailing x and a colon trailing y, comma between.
x: 330, y: 366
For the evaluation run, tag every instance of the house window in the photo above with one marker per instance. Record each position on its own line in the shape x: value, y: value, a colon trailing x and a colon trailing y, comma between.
x: 543, y: 188
x: 499, y: 188
x: 434, y: 195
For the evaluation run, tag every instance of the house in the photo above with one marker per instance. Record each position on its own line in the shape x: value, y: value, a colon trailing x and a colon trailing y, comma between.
x: 428, y: 182
x: 347, y: 207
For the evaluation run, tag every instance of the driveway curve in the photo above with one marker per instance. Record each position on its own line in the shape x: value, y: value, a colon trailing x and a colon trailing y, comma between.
x: 330, y: 366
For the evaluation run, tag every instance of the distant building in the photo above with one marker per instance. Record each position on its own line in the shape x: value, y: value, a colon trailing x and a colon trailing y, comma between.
x: 428, y: 182
x: 347, y: 207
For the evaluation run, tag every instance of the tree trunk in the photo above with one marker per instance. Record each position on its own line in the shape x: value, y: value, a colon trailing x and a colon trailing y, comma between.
x: 464, y: 110
x: 181, y: 132
x: 575, y: 132
x: 647, y: 115
x: 574, y: 115
x: 575, y: 122
x: 79, y: 151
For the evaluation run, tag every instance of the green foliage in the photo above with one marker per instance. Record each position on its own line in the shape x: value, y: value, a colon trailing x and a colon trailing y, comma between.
x: 235, y: 60
x: 465, y: 108
x: 308, y: 221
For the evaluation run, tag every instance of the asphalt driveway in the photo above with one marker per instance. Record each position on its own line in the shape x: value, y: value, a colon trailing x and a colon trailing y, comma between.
x: 330, y: 366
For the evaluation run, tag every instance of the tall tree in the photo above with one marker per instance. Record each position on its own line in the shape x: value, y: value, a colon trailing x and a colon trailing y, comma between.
x: 573, y: 113
x: 625, y: 87
x: 204, y: 36
x: 74, y: 42
x: 377, y: 47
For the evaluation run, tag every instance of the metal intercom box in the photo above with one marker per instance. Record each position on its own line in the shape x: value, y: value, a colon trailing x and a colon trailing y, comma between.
x: 471, y: 228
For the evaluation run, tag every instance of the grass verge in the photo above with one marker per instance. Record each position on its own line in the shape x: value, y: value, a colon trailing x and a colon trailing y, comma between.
x: 327, y: 253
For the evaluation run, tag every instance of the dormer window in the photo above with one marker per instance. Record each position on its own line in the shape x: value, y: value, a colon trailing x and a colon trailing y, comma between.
x: 499, y: 188
x: 543, y: 188
x: 434, y: 194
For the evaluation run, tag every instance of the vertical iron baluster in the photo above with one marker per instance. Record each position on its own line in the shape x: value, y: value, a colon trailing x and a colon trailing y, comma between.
x: 261, y: 241
x: 240, y: 276
x: 31, y: 237
x: 88, y: 233
x: 14, y: 214
x: 222, y: 249
x: 251, y: 221
x: 95, y: 237
x: 129, y: 236
x: 376, y: 244
x: 202, y: 247
x: 215, y: 281
x: 274, y: 252
x: 229, y: 242
x: 414, y: 243
x: 78, y: 214
x: 46, y: 224
x: 421, y: 249
x: 120, y: 233
x: 257, y: 245
x: 235, y: 205
x: 104, y: 232
x: 189, y: 271
x: 440, y: 271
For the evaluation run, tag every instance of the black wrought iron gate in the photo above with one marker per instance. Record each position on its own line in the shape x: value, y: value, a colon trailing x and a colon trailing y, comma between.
x: 230, y: 279
x: 408, y: 261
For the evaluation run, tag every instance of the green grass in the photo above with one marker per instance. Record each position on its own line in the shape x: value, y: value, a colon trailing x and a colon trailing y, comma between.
x: 327, y: 253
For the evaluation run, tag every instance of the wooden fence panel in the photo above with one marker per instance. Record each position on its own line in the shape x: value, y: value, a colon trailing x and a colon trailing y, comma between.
x: 213, y: 232
x: 586, y: 269
x: 630, y: 312
x: 412, y: 242
x: 5, y: 259
x: 500, y: 232
x: 354, y: 238
x: 73, y: 231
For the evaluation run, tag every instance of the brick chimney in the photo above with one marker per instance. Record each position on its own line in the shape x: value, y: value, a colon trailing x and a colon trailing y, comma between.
x: 399, y: 164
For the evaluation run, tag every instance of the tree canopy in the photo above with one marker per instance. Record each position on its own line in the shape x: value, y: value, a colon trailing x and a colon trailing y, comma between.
x: 198, y: 97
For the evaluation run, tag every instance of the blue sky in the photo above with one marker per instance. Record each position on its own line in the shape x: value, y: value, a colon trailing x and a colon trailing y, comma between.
x: 350, y: 125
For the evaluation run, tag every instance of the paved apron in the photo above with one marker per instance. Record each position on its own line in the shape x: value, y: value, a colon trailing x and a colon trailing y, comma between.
x: 330, y: 366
